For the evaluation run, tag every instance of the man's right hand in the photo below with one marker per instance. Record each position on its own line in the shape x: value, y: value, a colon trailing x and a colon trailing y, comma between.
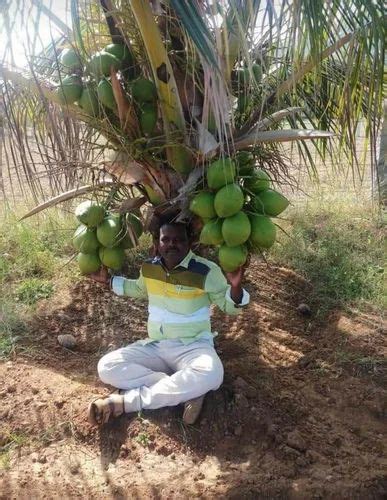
x: 102, y: 276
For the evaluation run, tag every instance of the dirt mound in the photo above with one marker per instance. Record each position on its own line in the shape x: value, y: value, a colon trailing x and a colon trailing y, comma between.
x: 300, y: 414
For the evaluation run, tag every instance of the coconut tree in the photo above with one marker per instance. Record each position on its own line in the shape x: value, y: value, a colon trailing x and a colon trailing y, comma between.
x: 136, y: 99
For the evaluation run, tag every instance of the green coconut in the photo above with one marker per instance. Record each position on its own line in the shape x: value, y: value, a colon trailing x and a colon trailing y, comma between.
x: 259, y: 181
x: 269, y: 202
x: 243, y: 77
x: 89, y: 101
x: 131, y: 231
x: 88, y: 262
x: 70, y: 89
x: 123, y: 54
x: 136, y: 224
x: 231, y: 258
x: 211, y: 233
x: 263, y: 231
x: 148, y: 118
x: 85, y: 239
x: 236, y: 229
x: 70, y: 61
x: 220, y: 172
x: 257, y: 72
x: 245, y: 163
x: 109, y: 232
x: 228, y: 200
x: 243, y: 103
x: 101, y: 63
x: 144, y: 90
x: 105, y: 94
x: 125, y: 238
x: 203, y: 205
x: 113, y: 258
x: 90, y: 213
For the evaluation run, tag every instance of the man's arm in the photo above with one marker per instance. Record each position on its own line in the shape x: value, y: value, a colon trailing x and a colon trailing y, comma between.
x: 121, y: 286
x: 228, y: 297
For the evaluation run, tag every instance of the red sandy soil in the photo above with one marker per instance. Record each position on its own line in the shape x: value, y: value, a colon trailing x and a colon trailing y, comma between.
x: 301, y: 414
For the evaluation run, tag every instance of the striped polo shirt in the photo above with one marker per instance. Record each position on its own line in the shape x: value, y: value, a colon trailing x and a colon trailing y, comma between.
x: 179, y: 299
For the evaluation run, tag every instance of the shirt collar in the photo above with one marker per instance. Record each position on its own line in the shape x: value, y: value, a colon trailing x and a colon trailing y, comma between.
x: 186, y: 260
x: 184, y: 263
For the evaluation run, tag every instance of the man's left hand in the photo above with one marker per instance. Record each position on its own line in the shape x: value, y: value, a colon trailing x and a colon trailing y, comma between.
x: 235, y: 277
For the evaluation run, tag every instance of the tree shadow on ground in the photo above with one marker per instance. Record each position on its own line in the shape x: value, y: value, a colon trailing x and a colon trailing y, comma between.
x: 285, y: 411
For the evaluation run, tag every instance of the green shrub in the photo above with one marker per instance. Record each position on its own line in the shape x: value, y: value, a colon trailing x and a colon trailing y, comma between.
x: 12, y: 326
x: 35, y: 247
x: 33, y: 289
x: 338, y: 248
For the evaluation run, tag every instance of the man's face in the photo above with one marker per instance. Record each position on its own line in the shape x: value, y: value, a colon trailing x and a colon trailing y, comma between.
x: 173, y: 244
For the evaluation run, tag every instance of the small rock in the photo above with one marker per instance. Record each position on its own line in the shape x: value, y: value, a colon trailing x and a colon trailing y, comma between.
x: 11, y: 388
x: 34, y: 390
x: 74, y: 468
x: 272, y: 430
x: 245, y: 388
x: 68, y: 341
x: 59, y: 403
x: 42, y: 459
x: 241, y: 401
x: 304, y: 310
x: 4, y: 414
x: 296, y: 441
x: 238, y: 430
x: 307, y: 361
x: 290, y: 452
x: 301, y: 461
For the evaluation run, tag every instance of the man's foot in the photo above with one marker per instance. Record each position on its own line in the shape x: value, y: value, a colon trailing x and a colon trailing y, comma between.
x: 101, y: 410
x: 192, y: 409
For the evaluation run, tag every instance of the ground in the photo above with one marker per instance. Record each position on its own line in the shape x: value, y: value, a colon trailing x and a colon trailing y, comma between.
x: 301, y: 413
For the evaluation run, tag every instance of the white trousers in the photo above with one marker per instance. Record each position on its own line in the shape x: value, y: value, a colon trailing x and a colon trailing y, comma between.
x: 164, y: 373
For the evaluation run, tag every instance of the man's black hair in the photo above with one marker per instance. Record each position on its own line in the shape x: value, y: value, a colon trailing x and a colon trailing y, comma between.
x: 169, y: 219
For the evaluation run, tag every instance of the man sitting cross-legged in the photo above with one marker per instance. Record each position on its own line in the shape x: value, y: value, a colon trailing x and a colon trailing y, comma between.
x: 177, y: 363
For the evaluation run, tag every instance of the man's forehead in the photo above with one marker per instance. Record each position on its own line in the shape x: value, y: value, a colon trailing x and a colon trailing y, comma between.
x: 173, y: 230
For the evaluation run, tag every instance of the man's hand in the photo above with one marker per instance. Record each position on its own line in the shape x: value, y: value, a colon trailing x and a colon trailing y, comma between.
x: 102, y: 276
x: 235, y: 279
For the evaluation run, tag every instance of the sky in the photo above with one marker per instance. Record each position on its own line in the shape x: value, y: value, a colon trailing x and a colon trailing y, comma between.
x: 22, y: 17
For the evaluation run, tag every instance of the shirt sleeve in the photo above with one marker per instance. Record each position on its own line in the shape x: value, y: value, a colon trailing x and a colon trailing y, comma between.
x: 219, y: 292
x: 134, y: 288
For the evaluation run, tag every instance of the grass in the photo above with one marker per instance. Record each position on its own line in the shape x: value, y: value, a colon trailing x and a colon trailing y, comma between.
x: 337, y: 245
x: 362, y: 364
x: 143, y: 439
x: 33, y: 256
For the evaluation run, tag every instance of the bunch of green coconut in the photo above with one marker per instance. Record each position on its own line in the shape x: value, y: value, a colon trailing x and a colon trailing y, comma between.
x: 103, y: 237
x: 236, y: 209
x: 88, y: 84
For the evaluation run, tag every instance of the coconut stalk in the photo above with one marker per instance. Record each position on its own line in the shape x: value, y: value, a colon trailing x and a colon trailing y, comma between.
x: 178, y: 156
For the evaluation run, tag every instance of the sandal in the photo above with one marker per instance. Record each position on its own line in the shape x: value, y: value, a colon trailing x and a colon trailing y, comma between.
x: 100, y: 410
x: 192, y: 409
